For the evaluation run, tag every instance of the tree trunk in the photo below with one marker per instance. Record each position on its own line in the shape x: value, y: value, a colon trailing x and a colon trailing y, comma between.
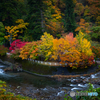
x: 42, y: 22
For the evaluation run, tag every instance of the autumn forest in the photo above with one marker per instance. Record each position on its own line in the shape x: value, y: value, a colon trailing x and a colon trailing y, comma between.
x: 64, y: 32
x: 56, y: 17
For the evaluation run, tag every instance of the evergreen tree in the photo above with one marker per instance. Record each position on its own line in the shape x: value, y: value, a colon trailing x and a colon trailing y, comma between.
x: 22, y: 9
x: 34, y: 19
x: 2, y: 33
x: 69, y: 16
x: 8, y: 12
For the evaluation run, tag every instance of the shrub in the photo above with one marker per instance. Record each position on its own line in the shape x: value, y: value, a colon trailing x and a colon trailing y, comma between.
x: 30, y: 50
x: 15, y: 53
x: 73, y: 51
x: 15, y: 48
x: 65, y: 50
x: 24, y: 53
x: 17, y: 44
x: 34, y: 51
x: 95, y: 43
x: 46, y: 46
x: 95, y: 34
x: 3, y: 50
x: 84, y: 45
x: 96, y: 51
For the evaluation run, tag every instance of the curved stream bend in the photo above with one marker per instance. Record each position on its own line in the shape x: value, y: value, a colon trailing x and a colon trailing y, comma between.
x: 35, y: 86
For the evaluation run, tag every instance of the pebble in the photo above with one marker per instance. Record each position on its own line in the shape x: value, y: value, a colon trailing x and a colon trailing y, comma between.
x: 18, y: 86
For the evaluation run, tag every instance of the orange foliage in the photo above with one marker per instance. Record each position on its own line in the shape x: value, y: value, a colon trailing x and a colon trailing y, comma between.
x: 34, y: 50
x: 67, y: 50
x: 94, y: 7
x: 54, y: 27
x: 79, y: 8
x: 84, y: 26
x: 30, y: 50
x: 52, y: 17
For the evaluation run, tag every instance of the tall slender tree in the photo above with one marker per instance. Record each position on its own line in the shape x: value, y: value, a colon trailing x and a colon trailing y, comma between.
x: 34, y: 18
x: 69, y: 16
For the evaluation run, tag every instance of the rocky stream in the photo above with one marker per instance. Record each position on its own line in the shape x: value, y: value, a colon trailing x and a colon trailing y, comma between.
x: 52, y: 87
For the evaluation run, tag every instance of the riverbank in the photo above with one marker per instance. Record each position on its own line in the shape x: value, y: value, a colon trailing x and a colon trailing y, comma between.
x: 54, y: 92
x: 46, y: 88
x: 43, y: 70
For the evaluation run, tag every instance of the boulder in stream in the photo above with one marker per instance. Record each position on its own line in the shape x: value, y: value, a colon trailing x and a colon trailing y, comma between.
x: 14, y: 67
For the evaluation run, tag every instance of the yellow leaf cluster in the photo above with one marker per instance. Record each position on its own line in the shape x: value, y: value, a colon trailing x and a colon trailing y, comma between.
x: 46, y: 46
x: 13, y: 30
x: 20, y: 21
x: 84, y: 45
x: 53, y: 17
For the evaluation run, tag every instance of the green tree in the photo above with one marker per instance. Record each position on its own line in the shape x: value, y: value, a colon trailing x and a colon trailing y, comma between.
x: 95, y: 34
x: 22, y: 9
x: 8, y: 12
x: 11, y: 10
x: 34, y: 18
x: 69, y: 16
x: 2, y: 33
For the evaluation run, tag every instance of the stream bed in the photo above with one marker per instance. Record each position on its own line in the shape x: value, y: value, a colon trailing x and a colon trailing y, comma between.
x: 46, y: 88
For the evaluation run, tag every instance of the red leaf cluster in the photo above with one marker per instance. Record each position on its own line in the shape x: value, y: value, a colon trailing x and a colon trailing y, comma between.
x: 17, y: 44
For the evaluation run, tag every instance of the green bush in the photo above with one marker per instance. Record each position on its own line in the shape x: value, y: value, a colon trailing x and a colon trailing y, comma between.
x: 95, y: 34
x: 87, y: 36
x: 95, y: 43
x: 96, y: 51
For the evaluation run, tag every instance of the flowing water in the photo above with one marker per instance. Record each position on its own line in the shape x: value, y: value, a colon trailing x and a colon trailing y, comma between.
x: 43, y: 87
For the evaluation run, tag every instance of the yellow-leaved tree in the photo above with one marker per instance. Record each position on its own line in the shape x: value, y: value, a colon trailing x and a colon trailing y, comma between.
x: 46, y: 46
x: 13, y: 30
x: 84, y: 45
